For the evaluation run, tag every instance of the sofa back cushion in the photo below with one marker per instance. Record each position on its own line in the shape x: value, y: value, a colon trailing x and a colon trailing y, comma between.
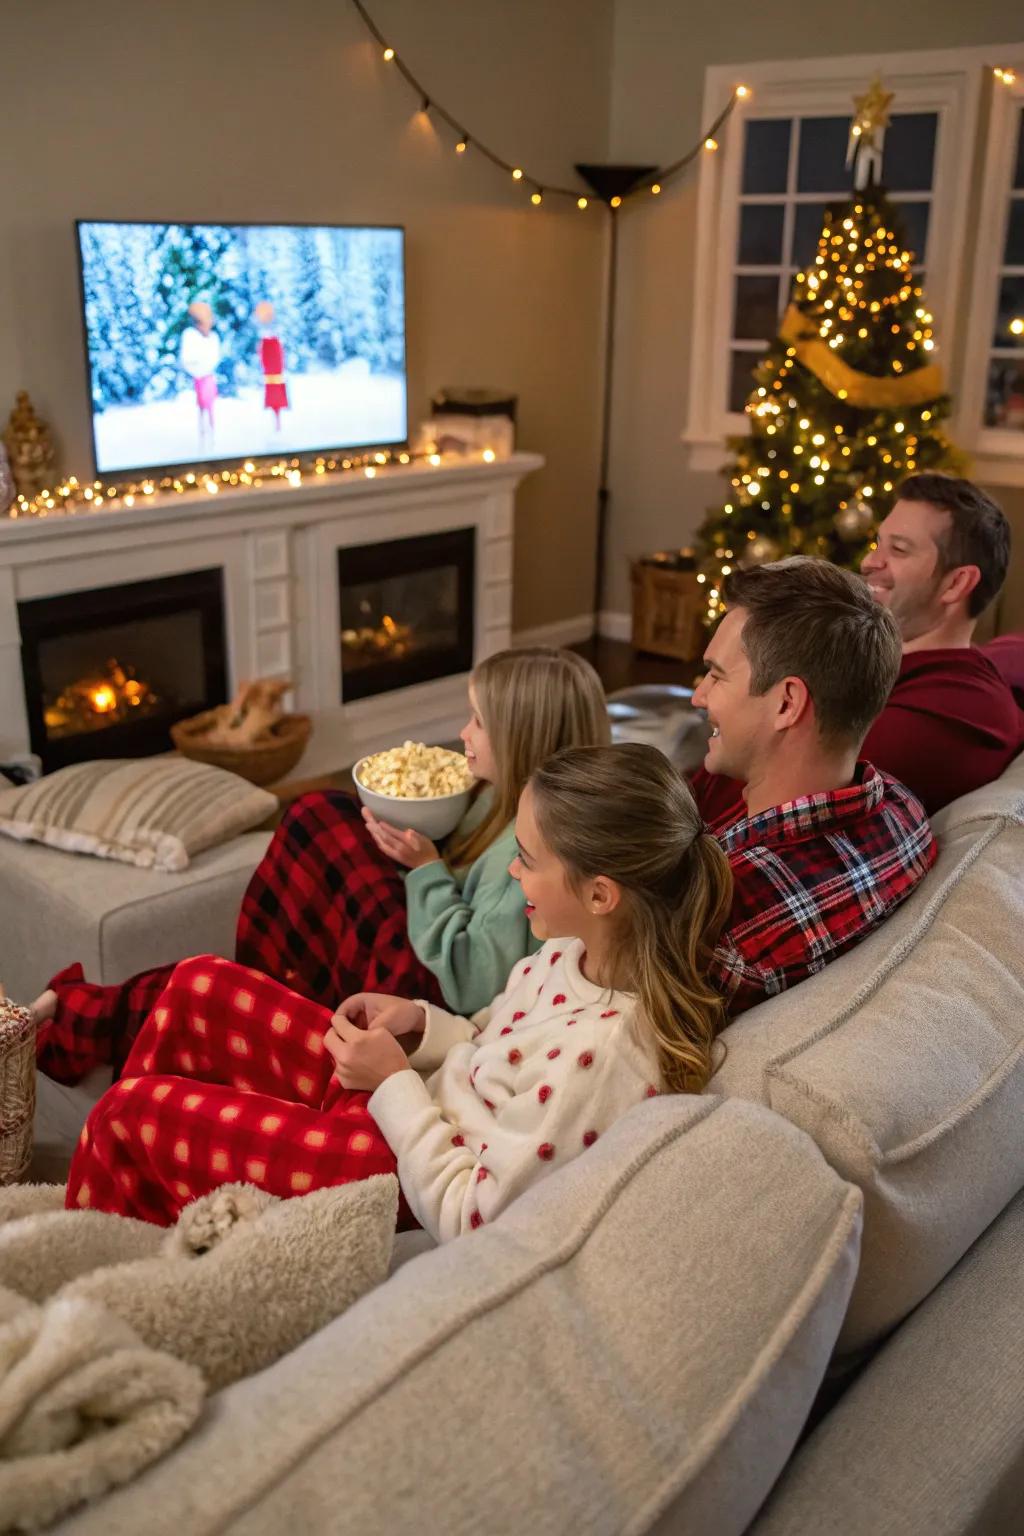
x: 905, y: 1060
x: 634, y: 1345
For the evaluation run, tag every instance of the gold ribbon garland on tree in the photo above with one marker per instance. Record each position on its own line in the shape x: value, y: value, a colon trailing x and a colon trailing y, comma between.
x: 860, y: 389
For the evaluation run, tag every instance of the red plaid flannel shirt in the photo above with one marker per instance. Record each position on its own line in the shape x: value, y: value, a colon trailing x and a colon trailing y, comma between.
x: 812, y: 878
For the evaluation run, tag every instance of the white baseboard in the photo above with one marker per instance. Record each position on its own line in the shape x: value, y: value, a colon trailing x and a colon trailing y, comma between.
x: 614, y: 626
x: 610, y: 625
x: 562, y: 632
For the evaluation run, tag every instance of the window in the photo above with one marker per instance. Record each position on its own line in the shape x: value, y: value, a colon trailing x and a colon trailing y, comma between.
x: 793, y: 171
x: 782, y: 164
x: 992, y: 413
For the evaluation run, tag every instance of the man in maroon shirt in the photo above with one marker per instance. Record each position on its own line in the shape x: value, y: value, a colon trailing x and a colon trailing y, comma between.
x: 951, y: 723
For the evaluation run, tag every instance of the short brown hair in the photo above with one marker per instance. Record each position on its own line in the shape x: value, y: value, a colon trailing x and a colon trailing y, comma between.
x: 978, y: 533
x: 810, y: 619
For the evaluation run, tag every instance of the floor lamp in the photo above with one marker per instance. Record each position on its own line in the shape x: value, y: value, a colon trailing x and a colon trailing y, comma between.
x: 608, y: 182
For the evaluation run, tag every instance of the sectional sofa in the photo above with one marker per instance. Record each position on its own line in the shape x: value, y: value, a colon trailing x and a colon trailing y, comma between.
x: 792, y: 1305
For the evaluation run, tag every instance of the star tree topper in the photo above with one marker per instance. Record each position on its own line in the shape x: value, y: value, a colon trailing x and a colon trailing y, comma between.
x: 867, y: 134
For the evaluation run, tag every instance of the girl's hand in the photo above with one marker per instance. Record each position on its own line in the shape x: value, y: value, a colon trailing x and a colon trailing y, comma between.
x: 377, y: 1010
x: 363, y: 1058
x: 409, y: 848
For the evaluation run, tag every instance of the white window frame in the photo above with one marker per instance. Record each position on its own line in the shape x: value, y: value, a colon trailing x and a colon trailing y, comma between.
x: 999, y: 451
x: 945, y: 81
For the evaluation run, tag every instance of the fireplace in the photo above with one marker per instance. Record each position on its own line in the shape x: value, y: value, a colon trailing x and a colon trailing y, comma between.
x: 108, y: 671
x: 406, y: 610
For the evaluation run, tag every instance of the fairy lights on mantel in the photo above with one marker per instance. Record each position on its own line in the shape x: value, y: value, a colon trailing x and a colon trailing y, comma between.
x: 75, y: 498
x: 538, y: 189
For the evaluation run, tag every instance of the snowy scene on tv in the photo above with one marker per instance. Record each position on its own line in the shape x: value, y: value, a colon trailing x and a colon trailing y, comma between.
x: 211, y: 342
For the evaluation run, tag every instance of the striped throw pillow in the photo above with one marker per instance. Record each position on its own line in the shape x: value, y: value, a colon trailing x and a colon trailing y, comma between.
x: 153, y: 812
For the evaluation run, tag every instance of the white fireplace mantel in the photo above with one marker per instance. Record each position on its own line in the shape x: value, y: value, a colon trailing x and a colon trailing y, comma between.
x: 277, y: 548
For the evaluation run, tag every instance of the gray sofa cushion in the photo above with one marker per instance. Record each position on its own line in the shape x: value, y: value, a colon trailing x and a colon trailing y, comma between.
x: 634, y: 1345
x: 59, y: 907
x: 905, y: 1060
x: 930, y: 1440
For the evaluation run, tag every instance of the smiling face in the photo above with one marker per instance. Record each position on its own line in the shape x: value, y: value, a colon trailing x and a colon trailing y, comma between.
x: 904, y: 571
x: 477, y: 743
x: 740, y: 720
x: 553, y: 908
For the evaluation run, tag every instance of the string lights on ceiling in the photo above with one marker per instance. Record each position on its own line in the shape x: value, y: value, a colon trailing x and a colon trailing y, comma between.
x: 540, y: 190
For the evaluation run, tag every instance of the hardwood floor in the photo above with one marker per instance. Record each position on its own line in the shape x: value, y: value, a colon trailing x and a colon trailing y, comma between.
x: 619, y: 666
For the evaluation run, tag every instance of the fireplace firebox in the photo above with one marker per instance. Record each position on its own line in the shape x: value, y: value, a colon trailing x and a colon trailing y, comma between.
x: 406, y: 611
x: 107, y: 672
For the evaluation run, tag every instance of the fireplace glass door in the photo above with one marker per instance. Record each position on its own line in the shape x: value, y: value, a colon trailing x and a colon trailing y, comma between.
x: 107, y: 672
x: 406, y: 612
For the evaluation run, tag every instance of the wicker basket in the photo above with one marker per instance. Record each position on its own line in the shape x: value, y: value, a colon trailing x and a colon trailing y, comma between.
x: 668, y: 611
x: 263, y: 764
x: 17, y: 1089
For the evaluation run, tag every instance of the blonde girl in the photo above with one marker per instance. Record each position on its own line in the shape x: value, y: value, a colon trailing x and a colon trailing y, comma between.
x: 626, y: 894
x: 337, y: 905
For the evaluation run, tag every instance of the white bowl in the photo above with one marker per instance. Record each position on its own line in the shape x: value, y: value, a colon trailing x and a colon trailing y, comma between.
x: 434, y: 818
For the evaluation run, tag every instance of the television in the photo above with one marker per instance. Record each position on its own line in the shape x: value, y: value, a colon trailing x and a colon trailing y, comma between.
x: 210, y: 343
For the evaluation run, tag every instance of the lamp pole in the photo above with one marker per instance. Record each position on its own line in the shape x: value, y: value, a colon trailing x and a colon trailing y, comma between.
x: 611, y: 183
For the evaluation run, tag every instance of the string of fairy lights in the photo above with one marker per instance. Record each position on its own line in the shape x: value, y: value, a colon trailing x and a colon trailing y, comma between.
x: 73, y: 496
x: 537, y: 188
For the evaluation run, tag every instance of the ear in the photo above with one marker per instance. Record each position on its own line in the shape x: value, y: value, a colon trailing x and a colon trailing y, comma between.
x: 793, y: 704
x: 958, y: 584
x: 604, y: 896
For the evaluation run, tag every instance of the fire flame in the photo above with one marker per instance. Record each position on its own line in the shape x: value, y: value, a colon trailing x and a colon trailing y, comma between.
x: 90, y: 703
x: 103, y: 699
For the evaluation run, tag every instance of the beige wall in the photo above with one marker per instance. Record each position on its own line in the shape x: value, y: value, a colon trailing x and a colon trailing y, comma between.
x: 661, y: 50
x: 249, y: 109
x: 258, y: 110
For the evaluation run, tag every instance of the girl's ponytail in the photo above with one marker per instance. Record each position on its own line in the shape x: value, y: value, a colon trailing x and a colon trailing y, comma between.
x: 674, y: 946
x: 624, y: 812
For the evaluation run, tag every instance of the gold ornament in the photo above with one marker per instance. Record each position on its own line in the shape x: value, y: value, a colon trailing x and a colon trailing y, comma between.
x: 852, y: 522
x: 863, y: 390
x: 30, y: 447
x: 760, y: 551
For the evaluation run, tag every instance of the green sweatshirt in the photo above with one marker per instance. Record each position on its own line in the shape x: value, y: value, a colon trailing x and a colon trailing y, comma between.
x: 469, y: 926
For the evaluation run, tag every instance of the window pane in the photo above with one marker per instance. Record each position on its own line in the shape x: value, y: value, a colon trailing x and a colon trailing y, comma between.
x: 757, y: 308
x: 910, y: 152
x: 822, y: 162
x: 1013, y: 256
x: 1018, y: 175
x: 912, y: 226
x: 741, y: 378
x: 807, y: 227
x: 1004, y: 399
x: 766, y: 154
x: 1011, y: 307
x: 760, y: 243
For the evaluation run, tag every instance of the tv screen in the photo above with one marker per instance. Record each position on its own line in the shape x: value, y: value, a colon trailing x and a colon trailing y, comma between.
x: 215, y: 342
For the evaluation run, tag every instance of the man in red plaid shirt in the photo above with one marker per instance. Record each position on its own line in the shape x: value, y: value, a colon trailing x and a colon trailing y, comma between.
x: 796, y: 672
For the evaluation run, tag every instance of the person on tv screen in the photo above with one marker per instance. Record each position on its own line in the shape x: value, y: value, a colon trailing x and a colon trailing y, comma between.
x: 200, y: 355
x: 275, y: 390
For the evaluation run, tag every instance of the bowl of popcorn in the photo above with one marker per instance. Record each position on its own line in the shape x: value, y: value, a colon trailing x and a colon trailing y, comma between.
x: 416, y: 788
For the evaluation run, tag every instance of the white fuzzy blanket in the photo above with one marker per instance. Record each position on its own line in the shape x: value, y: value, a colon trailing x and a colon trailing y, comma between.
x: 84, y: 1405
x: 111, y: 1330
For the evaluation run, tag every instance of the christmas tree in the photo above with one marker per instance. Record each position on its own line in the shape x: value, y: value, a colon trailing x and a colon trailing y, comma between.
x: 848, y: 400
